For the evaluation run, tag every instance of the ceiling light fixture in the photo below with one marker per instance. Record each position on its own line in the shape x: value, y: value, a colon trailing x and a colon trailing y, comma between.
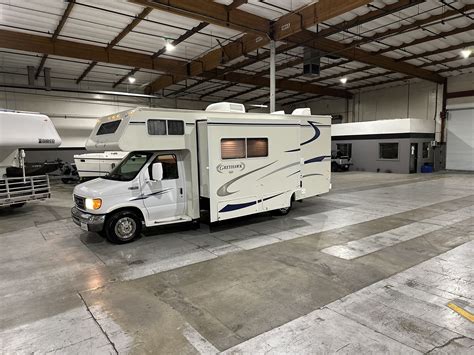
x: 466, y: 53
x: 131, y: 79
x: 343, y: 80
x: 169, y: 46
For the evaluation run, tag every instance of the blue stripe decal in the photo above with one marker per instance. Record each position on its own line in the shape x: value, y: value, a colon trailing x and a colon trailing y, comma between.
x: 144, y: 197
x: 238, y: 206
x: 317, y: 133
x: 296, y: 172
x: 317, y: 159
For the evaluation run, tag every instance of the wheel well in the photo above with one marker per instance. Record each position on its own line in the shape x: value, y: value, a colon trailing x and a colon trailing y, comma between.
x: 135, y: 210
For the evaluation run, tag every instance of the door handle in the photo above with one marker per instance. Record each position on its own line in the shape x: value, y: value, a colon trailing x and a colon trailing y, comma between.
x: 133, y: 188
x: 180, y: 190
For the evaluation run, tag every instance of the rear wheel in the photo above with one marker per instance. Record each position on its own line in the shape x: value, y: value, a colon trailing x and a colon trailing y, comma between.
x: 123, y: 227
x: 284, y: 210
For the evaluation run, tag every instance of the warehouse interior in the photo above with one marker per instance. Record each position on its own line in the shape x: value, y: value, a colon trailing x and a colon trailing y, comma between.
x: 378, y: 263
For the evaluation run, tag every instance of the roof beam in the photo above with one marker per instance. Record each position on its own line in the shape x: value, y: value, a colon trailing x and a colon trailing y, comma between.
x: 212, y: 12
x: 307, y: 16
x: 145, y: 12
x: 56, y: 32
x: 357, y: 54
x: 83, y: 51
x: 177, y: 41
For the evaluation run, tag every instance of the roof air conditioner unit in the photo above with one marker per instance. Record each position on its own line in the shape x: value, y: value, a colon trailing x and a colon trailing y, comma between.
x: 226, y: 107
x: 306, y: 111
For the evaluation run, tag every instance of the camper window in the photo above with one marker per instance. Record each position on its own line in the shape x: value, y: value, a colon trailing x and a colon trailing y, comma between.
x: 156, y: 127
x: 108, y: 127
x: 257, y: 147
x: 175, y: 128
x: 169, y: 164
x: 233, y: 148
x: 388, y: 151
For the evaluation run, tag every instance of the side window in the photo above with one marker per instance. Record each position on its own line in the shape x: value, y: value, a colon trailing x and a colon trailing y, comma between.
x: 232, y: 148
x: 175, y: 128
x: 156, y: 127
x: 388, y: 150
x: 170, y: 166
x: 257, y: 147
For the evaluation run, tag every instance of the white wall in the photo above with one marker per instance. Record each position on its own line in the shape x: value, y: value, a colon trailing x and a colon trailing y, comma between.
x: 415, y: 99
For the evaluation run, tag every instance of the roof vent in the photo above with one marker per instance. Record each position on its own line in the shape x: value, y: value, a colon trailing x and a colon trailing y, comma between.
x: 306, y: 111
x: 226, y: 107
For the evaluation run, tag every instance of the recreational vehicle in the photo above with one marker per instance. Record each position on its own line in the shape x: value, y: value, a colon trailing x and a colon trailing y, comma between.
x: 222, y: 160
x: 36, y: 131
x: 92, y: 165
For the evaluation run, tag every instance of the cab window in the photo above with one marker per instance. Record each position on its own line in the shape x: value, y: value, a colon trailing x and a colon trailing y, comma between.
x: 169, y: 164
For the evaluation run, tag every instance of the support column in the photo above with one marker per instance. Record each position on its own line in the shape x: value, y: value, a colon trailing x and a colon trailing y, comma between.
x: 272, y: 76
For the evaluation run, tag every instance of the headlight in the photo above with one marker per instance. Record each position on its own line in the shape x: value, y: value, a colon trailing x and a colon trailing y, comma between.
x: 93, y: 203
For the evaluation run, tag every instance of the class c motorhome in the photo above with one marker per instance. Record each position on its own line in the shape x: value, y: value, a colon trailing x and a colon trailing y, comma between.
x: 222, y: 160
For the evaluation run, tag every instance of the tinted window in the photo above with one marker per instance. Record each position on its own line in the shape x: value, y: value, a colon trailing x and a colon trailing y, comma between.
x: 257, y: 147
x: 108, y: 127
x: 156, y: 127
x: 388, y: 150
x: 232, y: 148
x: 175, y: 127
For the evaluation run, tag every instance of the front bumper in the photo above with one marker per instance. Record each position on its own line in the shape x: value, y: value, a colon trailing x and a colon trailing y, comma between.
x: 87, y: 221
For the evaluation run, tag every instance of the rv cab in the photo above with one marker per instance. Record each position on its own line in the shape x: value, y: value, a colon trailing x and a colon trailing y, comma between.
x: 223, y: 160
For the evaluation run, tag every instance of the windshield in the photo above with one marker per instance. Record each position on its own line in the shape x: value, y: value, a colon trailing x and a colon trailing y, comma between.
x: 129, y: 167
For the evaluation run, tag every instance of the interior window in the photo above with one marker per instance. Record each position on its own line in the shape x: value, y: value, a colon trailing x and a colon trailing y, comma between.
x: 169, y: 164
x: 175, y: 128
x: 344, y: 150
x: 388, y: 150
x: 232, y: 148
x: 156, y: 127
x: 257, y: 147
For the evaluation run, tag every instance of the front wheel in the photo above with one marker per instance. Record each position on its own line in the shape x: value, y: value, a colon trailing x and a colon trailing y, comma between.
x: 123, y: 227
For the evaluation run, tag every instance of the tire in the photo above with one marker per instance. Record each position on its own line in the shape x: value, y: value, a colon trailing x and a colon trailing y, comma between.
x: 334, y: 166
x: 17, y: 205
x: 195, y: 224
x: 285, y: 210
x: 123, y: 227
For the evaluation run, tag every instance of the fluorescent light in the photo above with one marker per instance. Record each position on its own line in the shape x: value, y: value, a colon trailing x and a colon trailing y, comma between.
x: 343, y: 80
x: 259, y: 105
x: 131, y: 79
x: 169, y: 46
x: 466, y: 53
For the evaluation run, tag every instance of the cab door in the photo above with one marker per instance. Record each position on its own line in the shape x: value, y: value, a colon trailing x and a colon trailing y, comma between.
x: 164, y: 199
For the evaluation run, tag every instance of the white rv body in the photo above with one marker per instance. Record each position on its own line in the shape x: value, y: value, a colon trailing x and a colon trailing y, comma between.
x: 20, y: 130
x: 296, y: 166
x: 92, y: 165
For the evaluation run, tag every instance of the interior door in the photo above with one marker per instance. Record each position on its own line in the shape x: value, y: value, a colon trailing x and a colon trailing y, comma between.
x: 165, y: 199
x: 413, y: 158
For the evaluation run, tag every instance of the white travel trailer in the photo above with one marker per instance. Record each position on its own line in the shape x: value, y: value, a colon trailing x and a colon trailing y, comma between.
x: 92, y: 165
x: 18, y: 131
x: 223, y: 160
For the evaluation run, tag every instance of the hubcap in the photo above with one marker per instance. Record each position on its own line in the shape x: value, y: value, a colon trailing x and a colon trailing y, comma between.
x: 125, y: 228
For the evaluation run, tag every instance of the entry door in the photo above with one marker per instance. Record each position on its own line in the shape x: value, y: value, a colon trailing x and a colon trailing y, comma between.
x: 165, y: 199
x: 413, y: 158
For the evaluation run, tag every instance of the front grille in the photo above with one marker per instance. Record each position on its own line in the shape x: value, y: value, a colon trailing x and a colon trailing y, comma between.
x: 80, y: 202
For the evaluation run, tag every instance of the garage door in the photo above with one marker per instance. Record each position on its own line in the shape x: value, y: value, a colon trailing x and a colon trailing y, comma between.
x: 460, y: 140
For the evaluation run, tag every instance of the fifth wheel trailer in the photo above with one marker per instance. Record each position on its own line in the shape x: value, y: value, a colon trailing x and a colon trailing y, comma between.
x: 18, y: 131
x: 223, y: 160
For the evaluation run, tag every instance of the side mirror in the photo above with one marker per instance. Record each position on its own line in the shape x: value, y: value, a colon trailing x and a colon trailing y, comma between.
x: 156, y: 172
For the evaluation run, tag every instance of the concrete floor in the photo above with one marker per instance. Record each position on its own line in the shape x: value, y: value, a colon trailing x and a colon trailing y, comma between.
x: 382, y: 264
